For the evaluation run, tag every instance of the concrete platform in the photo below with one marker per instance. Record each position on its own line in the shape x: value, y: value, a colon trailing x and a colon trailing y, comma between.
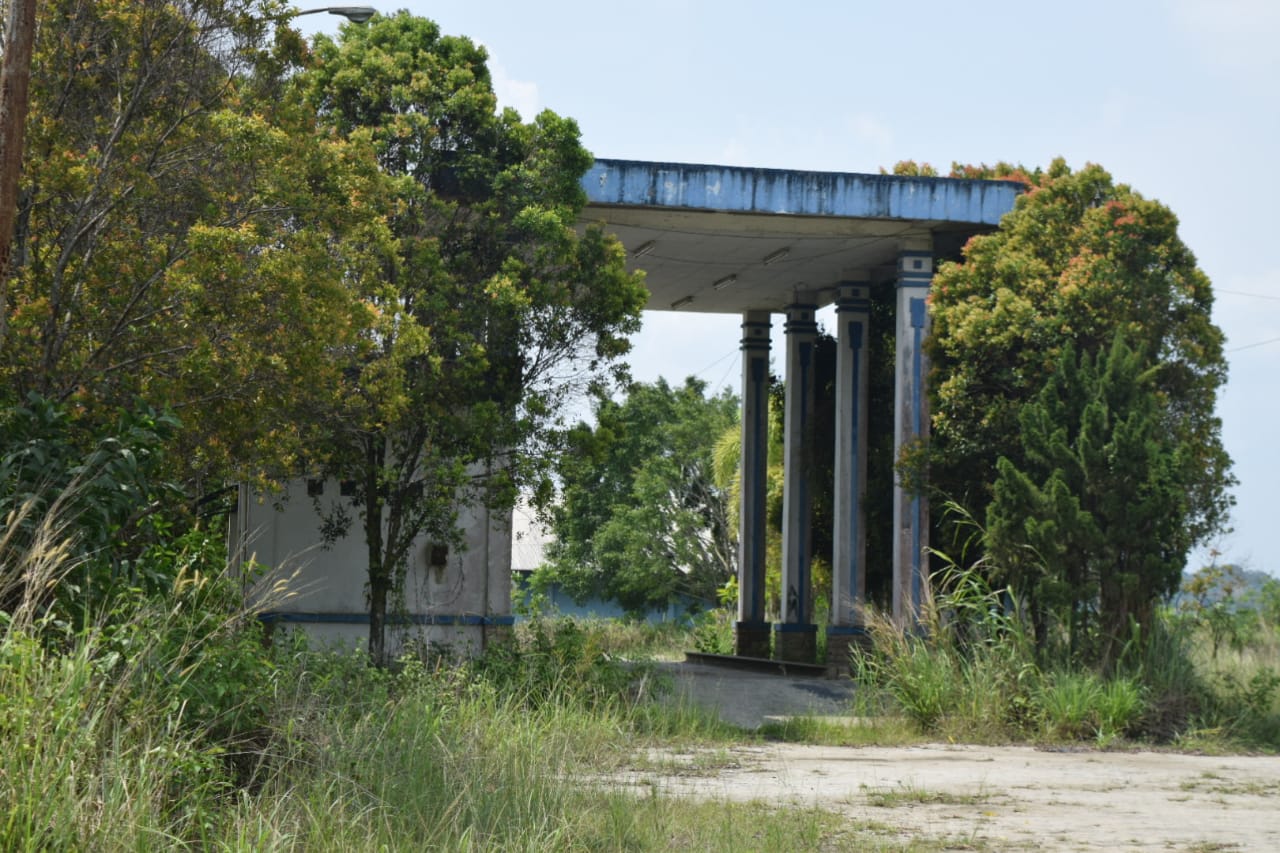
x: 749, y: 698
x: 763, y: 665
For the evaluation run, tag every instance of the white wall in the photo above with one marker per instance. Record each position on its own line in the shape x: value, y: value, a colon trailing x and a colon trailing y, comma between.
x: 304, y: 585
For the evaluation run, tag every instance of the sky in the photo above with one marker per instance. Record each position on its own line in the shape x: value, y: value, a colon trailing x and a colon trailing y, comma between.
x: 1180, y: 99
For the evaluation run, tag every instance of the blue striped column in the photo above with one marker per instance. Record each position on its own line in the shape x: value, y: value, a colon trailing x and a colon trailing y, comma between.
x: 796, y: 634
x: 849, y: 537
x: 911, y: 426
x: 751, y: 633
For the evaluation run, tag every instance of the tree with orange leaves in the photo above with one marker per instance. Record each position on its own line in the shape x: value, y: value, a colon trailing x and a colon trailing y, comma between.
x: 1080, y: 260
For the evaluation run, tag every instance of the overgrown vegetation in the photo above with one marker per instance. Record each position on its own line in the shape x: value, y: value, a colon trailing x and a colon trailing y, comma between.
x: 394, y: 291
x: 489, y: 310
x: 974, y: 671
x: 167, y: 723
x: 338, y: 260
x: 143, y: 715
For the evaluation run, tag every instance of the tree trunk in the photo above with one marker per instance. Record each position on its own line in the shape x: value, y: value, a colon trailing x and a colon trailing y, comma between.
x: 379, y: 571
x: 1113, y: 618
x: 15, y: 83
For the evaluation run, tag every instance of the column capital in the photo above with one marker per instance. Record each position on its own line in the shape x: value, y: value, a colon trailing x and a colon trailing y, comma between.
x: 756, y: 326
x: 801, y: 319
x: 853, y: 296
x: 915, y: 268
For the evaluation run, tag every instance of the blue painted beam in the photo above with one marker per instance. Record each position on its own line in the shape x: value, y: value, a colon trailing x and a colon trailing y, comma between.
x: 310, y: 617
x: 777, y: 191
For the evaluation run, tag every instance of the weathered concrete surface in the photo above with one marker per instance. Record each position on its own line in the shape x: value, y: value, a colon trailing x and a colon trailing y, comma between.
x: 728, y: 239
x: 787, y: 192
x: 454, y: 598
x: 998, y: 798
x: 750, y: 699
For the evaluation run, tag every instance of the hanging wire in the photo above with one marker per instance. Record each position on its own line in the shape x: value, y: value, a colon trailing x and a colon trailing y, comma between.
x: 1254, y: 345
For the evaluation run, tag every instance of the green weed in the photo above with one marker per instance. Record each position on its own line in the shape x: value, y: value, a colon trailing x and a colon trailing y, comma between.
x: 910, y: 795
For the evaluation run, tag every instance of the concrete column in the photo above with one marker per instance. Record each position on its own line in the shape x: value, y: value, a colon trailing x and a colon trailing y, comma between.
x: 848, y: 569
x: 751, y: 634
x: 796, y: 634
x: 911, y: 427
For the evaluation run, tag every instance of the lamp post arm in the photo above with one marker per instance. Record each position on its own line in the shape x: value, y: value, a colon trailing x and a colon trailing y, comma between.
x: 354, y: 14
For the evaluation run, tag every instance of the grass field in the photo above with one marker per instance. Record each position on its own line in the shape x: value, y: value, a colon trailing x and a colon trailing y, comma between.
x: 168, y: 723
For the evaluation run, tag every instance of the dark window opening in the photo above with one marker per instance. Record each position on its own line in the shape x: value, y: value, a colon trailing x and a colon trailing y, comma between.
x: 437, y: 556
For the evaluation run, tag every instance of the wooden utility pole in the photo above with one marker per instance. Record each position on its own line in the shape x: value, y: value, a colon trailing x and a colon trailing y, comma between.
x: 15, y: 85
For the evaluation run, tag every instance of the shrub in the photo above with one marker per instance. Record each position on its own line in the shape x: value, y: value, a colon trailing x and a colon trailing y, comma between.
x: 713, y: 631
x: 102, y: 488
x: 553, y: 660
x: 1068, y: 703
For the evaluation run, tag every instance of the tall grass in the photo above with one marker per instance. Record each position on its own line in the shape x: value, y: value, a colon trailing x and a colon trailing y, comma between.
x: 972, y: 672
x: 356, y: 759
x: 169, y: 725
x: 967, y: 671
x: 440, y: 759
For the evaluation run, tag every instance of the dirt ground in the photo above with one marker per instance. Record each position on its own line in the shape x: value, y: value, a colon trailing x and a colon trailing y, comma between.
x: 975, y: 797
x: 1004, y: 798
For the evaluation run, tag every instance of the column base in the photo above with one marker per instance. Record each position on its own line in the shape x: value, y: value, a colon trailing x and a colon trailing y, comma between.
x: 796, y: 642
x: 751, y: 639
x: 844, y: 643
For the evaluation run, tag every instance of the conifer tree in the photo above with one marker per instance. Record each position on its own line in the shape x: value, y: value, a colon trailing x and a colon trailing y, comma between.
x: 1089, y: 523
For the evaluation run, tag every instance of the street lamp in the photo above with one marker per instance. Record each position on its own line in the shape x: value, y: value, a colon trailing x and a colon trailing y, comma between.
x: 354, y: 14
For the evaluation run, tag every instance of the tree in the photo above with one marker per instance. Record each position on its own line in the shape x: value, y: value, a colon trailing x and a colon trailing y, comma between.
x: 183, y: 236
x: 491, y: 309
x: 1209, y: 600
x: 1090, y: 524
x: 1078, y: 261
x: 641, y: 519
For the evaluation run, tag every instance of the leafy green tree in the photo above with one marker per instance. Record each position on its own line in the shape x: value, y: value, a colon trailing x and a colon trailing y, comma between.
x: 641, y: 519
x: 184, y: 236
x: 77, y: 511
x: 1209, y: 599
x: 1268, y: 603
x: 491, y: 309
x: 1079, y: 261
x: 1089, y: 524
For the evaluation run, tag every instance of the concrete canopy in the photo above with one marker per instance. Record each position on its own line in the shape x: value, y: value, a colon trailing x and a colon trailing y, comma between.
x: 754, y: 242
x: 725, y: 239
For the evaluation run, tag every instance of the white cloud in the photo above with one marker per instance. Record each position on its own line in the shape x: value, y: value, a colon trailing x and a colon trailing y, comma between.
x: 521, y: 95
